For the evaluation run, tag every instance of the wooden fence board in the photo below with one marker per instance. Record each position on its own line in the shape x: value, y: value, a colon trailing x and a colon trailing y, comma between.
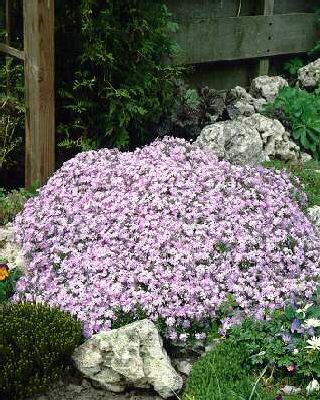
x: 211, y: 8
x: 295, y: 6
x: 215, y: 39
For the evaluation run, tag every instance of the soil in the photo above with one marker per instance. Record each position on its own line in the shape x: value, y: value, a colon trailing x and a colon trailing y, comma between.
x: 75, y: 387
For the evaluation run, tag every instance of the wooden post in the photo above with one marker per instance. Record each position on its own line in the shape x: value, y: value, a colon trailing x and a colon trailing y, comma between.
x: 263, y: 64
x: 39, y: 82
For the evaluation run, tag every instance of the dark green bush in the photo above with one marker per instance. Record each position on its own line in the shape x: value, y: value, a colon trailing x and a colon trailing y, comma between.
x: 35, y: 348
x: 224, y: 374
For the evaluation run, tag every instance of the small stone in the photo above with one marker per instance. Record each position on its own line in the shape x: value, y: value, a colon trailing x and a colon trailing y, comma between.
x: 314, y: 214
x: 267, y: 87
x: 309, y: 75
x: 290, y: 390
x: 183, y: 366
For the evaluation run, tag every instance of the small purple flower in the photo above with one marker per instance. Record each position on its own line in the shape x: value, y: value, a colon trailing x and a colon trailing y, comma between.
x: 311, y: 331
x: 286, y: 337
x: 278, y: 397
x: 295, y: 326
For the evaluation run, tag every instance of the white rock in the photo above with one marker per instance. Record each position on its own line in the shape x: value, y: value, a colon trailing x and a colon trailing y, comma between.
x: 234, y: 141
x: 240, y: 103
x: 184, y: 366
x: 9, y: 249
x: 276, y: 140
x: 129, y: 356
x: 290, y: 390
x: 267, y: 87
x: 249, y: 140
x: 309, y: 75
x: 314, y: 214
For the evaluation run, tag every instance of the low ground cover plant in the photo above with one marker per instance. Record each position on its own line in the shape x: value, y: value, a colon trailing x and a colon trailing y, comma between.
x: 166, y: 232
x: 308, y: 175
x: 36, y: 344
x: 277, y: 358
x: 12, y: 202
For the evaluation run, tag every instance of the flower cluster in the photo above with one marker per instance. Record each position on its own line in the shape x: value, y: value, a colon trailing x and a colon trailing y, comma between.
x: 167, y: 229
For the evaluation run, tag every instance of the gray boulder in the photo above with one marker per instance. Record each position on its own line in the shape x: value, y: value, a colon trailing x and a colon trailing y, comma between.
x: 240, y: 103
x: 235, y: 141
x: 309, y: 75
x: 9, y: 249
x: 314, y: 214
x: 276, y: 140
x: 249, y: 140
x: 267, y: 87
x: 131, y: 356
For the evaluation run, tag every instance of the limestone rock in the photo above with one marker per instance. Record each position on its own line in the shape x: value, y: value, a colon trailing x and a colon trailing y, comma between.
x: 309, y: 75
x: 276, y: 140
x: 234, y: 141
x: 129, y: 356
x: 290, y: 390
x: 10, y: 250
x: 314, y: 214
x: 240, y: 103
x: 184, y: 366
x: 267, y: 87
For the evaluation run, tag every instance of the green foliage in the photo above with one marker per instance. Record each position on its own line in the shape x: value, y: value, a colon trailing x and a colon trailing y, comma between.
x: 11, y: 203
x: 192, y: 109
x: 224, y: 374
x: 11, y: 110
x: 292, y: 66
x: 308, y: 175
x: 7, y: 286
x: 117, y: 84
x: 299, y: 110
x: 35, y: 348
x: 112, y: 80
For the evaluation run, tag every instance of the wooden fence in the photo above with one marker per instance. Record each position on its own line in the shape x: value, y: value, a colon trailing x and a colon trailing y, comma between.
x: 231, y: 41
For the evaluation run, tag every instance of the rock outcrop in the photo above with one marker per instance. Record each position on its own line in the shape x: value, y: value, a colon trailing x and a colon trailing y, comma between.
x: 131, y: 356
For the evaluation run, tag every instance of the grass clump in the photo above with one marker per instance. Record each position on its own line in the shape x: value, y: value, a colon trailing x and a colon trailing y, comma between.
x: 224, y: 374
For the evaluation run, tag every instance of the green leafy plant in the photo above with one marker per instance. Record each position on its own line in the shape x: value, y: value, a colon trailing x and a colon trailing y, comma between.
x: 292, y: 66
x: 300, y: 111
x: 11, y: 203
x: 35, y: 348
x: 8, y: 279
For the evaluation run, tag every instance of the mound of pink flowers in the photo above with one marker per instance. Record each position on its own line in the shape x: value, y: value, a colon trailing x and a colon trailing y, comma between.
x: 169, y: 231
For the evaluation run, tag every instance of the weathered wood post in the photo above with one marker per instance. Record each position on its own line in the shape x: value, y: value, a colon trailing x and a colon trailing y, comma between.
x: 39, y: 90
x: 263, y: 64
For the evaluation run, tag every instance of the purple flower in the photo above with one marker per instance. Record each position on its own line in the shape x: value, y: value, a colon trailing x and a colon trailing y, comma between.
x: 167, y: 231
x: 296, y: 325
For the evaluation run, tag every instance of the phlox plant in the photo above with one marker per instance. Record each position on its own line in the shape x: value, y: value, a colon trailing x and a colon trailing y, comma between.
x: 169, y: 232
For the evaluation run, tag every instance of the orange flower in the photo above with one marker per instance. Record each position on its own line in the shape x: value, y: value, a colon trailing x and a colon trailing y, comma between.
x: 4, y: 272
